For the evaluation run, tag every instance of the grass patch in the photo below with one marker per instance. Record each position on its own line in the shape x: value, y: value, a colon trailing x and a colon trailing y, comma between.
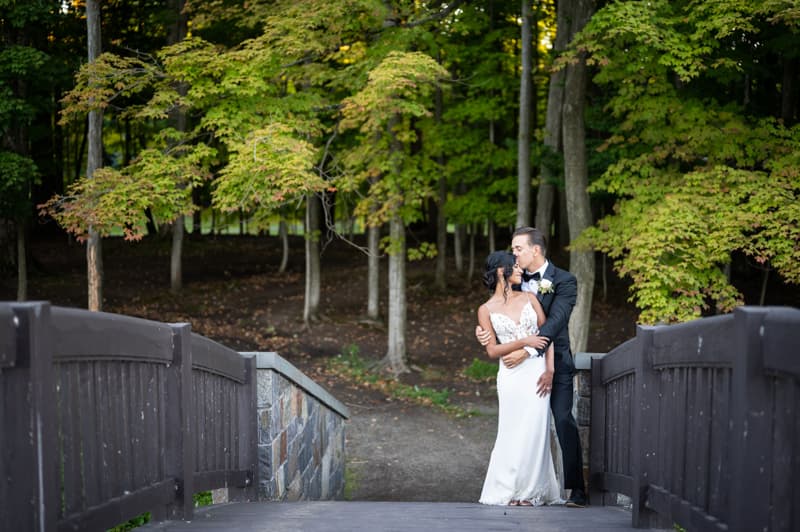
x: 350, y: 482
x: 480, y: 370
x: 202, y: 498
x: 351, y: 365
x: 130, y: 524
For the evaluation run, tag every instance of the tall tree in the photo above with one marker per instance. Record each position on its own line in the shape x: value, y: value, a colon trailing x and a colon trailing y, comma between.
x: 397, y: 91
x: 525, y: 111
x: 178, y: 33
x: 576, y: 181
x: 551, y: 162
x: 94, y: 161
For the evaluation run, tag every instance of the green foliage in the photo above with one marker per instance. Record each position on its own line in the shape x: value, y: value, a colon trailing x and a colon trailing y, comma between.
x: 202, y: 498
x: 398, y: 90
x: 480, y: 370
x: 697, y: 178
x: 17, y: 174
x: 130, y: 524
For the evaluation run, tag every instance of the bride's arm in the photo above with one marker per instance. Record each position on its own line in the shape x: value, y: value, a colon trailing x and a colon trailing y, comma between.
x: 495, y: 350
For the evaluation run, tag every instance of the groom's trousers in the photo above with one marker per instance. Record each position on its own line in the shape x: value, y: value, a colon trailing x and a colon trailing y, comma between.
x: 561, y: 398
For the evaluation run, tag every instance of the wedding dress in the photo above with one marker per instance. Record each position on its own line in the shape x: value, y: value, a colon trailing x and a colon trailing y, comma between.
x: 521, y: 465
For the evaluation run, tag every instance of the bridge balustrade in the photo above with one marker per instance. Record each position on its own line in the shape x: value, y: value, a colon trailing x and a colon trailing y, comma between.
x: 104, y: 417
x: 696, y: 422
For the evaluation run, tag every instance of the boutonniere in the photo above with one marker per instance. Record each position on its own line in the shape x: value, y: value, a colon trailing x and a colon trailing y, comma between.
x: 545, y: 286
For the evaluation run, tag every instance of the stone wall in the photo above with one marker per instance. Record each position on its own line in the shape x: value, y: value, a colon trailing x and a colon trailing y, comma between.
x: 301, y: 453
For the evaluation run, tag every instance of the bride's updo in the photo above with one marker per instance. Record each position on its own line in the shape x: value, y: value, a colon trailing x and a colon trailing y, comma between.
x: 495, y: 260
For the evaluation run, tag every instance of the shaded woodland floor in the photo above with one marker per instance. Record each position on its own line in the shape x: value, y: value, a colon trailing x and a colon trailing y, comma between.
x: 234, y: 294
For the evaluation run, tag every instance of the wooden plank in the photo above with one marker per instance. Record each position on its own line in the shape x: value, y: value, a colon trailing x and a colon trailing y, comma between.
x: 152, y: 408
x: 82, y: 335
x: 702, y: 429
x: 91, y: 431
x: 781, y: 336
x: 125, y: 455
x: 32, y: 501
x: 705, y: 342
x: 665, y: 444
x: 691, y: 437
x: 678, y: 432
x: 208, y: 480
x: 620, y: 361
x: 8, y: 337
x: 617, y: 483
x: 119, y: 509
x: 137, y: 434
x: 597, y: 446
x: 752, y: 450
x: 719, y: 444
x: 71, y: 480
x: 180, y: 444
x: 783, y: 476
x: 213, y: 357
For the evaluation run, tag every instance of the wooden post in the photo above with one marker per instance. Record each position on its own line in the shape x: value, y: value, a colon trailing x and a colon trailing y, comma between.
x: 644, y: 430
x: 180, y: 451
x: 751, y: 450
x: 28, y: 421
x: 248, y: 437
x: 597, y: 436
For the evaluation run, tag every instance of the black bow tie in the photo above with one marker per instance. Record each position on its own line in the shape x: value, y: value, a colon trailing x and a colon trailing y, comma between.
x: 528, y: 276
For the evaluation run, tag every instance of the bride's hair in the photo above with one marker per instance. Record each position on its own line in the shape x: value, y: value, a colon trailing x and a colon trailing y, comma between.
x: 495, y: 260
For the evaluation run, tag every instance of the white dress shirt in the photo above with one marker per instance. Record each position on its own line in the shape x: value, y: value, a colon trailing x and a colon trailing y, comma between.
x: 532, y: 285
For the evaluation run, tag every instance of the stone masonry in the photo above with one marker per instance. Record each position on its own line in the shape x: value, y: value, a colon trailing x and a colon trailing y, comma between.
x: 301, y: 439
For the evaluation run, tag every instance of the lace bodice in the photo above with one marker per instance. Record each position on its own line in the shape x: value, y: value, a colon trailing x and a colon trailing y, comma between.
x: 507, y: 330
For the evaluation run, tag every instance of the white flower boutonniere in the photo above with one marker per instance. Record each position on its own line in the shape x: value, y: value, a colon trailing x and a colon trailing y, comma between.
x: 545, y: 286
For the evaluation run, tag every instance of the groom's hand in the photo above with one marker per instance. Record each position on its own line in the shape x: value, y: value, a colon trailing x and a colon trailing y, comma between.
x: 482, y: 335
x: 545, y: 384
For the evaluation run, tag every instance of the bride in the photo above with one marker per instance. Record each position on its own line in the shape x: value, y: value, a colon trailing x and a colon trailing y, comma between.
x: 521, y: 471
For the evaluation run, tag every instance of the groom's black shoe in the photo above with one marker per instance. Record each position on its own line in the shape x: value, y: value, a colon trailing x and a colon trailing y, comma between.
x: 577, y: 499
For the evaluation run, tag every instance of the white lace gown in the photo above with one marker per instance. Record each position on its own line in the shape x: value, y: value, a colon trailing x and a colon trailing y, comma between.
x: 521, y: 465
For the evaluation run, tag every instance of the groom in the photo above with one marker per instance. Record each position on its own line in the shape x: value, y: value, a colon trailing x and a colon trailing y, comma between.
x: 557, y: 291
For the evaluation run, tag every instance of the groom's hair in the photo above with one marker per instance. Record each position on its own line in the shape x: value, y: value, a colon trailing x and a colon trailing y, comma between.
x: 535, y: 237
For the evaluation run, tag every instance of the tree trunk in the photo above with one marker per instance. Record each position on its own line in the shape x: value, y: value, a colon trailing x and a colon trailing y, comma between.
x: 178, y: 32
x: 395, y: 359
x: 311, y: 302
x: 524, y: 135
x: 471, y: 268
x: 545, y: 199
x: 373, y: 273
x: 94, y: 160
x: 175, y: 262
x: 490, y: 230
x: 576, y: 178
x: 440, y: 278
x: 22, y: 264
x: 283, y: 232
x: 458, y: 252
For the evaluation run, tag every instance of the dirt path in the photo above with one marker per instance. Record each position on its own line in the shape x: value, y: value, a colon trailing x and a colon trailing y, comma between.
x: 397, y: 451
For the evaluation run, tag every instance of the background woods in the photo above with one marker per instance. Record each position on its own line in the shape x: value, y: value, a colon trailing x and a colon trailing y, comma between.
x: 662, y: 135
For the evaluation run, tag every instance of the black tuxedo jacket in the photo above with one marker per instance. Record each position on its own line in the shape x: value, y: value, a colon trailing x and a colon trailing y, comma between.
x: 557, y: 305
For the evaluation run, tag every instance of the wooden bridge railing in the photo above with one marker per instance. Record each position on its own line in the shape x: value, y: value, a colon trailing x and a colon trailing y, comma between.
x: 104, y: 417
x: 697, y: 422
